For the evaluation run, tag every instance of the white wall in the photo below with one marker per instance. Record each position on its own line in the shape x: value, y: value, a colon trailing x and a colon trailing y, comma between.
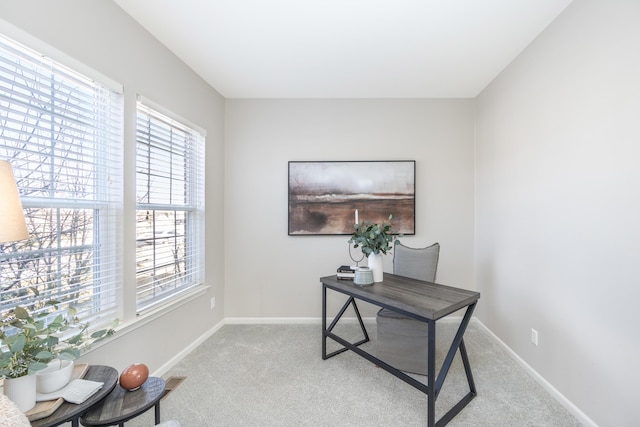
x: 557, y: 196
x: 558, y: 207
x: 101, y: 36
x: 273, y: 275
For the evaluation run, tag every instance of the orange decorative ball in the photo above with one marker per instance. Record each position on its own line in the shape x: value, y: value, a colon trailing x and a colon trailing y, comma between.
x: 134, y: 376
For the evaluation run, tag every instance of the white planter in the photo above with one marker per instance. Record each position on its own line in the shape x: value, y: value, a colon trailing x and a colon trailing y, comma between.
x: 375, y: 264
x: 54, y: 377
x: 21, y: 391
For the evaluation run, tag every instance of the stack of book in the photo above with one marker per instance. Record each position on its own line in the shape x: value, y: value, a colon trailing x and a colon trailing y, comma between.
x: 345, y: 273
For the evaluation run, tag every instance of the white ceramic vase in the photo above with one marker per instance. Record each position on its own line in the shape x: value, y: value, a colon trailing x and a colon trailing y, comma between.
x: 55, y: 376
x: 21, y: 391
x: 375, y: 264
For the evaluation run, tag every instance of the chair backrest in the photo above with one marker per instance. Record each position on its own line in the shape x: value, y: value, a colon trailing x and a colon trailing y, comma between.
x: 416, y: 263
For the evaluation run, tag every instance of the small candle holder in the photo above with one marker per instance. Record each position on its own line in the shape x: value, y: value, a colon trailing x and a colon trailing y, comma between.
x: 357, y: 261
x: 363, y: 277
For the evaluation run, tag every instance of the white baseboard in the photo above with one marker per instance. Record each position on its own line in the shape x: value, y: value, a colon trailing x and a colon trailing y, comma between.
x: 162, y: 370
x: 309, y: 320
x: 272, y: 320
x: 581, y: 416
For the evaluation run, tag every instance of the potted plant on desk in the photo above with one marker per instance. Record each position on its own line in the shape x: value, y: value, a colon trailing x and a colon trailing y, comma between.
x: 374, y: 241
x: 30, y: 341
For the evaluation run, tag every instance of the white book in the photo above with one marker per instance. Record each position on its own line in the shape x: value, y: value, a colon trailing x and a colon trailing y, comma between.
x: 77, y: 391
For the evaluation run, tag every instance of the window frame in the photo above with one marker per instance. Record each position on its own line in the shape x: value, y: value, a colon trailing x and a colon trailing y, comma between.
x: 101, y: 136
x: 193, y: 208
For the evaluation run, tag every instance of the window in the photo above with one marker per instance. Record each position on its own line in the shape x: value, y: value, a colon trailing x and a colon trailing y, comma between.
x: 62, y: 134
x: 170, y: 207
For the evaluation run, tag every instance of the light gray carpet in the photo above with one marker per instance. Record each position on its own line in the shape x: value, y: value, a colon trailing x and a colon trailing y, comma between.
x: 274, y: 375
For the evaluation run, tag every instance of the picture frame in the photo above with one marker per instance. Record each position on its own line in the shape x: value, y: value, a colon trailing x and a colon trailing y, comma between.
x: 324, y: 196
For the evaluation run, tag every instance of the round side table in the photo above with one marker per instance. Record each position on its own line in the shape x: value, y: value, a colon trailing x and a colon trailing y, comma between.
x: 122, y: 405
x: 70, y: 411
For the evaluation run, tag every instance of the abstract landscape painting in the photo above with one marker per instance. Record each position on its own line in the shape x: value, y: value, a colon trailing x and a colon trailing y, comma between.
x: 324, y: 196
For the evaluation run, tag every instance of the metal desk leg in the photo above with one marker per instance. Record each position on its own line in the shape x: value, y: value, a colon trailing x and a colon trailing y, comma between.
x: 327, y: 331
x: 457, y: 345
x: 324, y: 322
x: 431, y: 375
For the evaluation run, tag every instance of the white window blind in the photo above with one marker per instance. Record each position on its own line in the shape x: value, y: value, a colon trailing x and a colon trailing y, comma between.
x: 170, y: 208
x: 62, y: 134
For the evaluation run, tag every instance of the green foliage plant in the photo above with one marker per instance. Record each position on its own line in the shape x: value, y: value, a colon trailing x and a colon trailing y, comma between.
x: 374, y: 238
x: 28, y: 342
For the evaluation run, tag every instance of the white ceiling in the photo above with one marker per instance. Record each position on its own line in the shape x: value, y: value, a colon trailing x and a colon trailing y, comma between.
x: 346, y: 48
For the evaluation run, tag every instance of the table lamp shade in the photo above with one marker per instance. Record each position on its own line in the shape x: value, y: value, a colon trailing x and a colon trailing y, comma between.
x: 12, y: 224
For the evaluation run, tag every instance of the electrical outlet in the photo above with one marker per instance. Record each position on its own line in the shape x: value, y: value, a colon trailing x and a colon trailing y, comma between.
x: 534, y: 336
x: 213, y: 302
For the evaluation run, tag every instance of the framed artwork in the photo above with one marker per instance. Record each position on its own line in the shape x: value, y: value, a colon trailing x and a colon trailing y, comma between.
x: 324, y: 196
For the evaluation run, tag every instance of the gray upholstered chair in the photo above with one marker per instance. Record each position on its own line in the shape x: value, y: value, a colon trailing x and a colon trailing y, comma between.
x: 402, y: 342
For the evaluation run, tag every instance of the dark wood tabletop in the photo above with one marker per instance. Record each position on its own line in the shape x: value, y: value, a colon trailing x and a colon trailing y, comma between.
x: 415, y: 298
x: 70, y: 411
x: 122, y: 405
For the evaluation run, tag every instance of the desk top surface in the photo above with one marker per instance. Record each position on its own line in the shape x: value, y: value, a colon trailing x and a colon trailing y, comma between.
x: 416, y: 298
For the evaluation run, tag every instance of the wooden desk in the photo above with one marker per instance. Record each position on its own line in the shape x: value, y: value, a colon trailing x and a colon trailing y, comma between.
x: 423, y: 301
x: 70, y: 412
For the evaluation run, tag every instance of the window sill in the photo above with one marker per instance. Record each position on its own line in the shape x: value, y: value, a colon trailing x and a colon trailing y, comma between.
x: 153, y: 314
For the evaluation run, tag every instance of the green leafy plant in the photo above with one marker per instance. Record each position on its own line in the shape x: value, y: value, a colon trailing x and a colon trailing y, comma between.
x: 28, y: 342
x: 374, y: 238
